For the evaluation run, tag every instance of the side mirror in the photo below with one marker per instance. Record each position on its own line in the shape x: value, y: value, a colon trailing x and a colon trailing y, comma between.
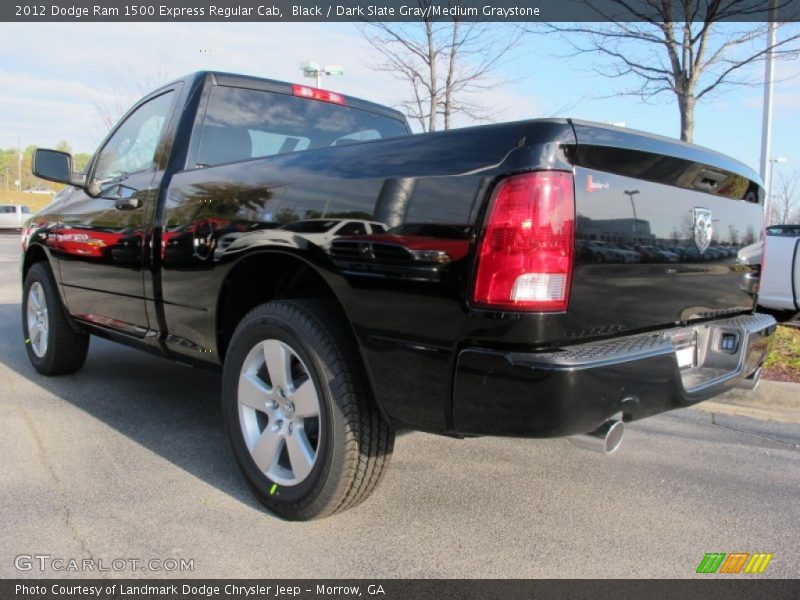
x: 54, y: 165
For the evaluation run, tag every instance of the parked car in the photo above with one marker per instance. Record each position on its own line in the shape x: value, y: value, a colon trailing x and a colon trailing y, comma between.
x: 13, y: 216
x: 670, y: 253
x: 715, y: 253
x: 323, y: 231
x: 600, y: 251
x: 325, y: 351
x: 779, y: 286
x: 654, y: 254
x: 413, y: 251
x: 617, y: 253
x: 586, y: 251
x: 690, y: 254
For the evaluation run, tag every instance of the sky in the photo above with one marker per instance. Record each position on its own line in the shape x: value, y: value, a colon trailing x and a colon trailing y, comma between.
x: 53, y: 77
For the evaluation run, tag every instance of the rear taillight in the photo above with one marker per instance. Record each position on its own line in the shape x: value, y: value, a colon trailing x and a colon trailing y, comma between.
x: 303, y: 91
x: 525, y: 254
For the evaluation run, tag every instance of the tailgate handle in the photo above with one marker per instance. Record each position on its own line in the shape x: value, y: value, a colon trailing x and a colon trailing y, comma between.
x: 709, y: 180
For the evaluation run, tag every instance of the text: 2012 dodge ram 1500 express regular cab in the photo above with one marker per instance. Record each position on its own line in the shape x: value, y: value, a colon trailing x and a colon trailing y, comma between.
x: 350, y: 279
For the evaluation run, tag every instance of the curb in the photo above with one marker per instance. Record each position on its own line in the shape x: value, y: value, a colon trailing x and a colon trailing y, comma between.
x: 771, y: 401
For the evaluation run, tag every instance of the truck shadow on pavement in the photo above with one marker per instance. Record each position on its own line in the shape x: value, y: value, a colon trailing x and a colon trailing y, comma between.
x: 168, y: 408
x: 174, y: 411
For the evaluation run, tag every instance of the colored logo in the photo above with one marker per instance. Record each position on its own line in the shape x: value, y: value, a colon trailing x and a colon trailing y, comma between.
x: 734, y: 562
x: 703, y: 228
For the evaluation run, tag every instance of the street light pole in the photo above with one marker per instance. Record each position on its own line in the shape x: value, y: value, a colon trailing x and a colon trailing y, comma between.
x: 631, y: 194
x: 19, y: 166
x: 768, y: 199
x: 769, y: 82
x: 313, y: 70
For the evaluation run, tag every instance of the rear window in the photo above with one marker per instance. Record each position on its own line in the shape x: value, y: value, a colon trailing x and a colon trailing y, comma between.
x: 241, y: 124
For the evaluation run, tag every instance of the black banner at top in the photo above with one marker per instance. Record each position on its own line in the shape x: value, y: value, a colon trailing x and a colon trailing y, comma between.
x: 399, y: 10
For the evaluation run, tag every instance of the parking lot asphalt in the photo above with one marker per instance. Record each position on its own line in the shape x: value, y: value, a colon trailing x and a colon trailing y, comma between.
x: 127, y: 459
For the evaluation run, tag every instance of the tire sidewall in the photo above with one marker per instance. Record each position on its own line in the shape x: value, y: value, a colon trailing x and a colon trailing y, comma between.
x: 253, y: 330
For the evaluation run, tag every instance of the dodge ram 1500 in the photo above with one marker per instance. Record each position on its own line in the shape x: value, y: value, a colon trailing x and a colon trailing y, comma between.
x: 541, y: 278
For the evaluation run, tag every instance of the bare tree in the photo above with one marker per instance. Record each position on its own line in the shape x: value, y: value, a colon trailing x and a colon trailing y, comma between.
x: 688, y: 49
x: 785, y: 205
x: 446, y: 65
x: 126, y: 84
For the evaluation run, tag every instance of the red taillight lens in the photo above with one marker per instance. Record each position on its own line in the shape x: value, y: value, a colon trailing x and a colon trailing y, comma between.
x: 303, y: 91
x: 525, y: 255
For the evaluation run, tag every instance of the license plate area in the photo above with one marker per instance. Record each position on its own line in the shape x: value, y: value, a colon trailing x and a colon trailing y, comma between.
x: 685, y: 343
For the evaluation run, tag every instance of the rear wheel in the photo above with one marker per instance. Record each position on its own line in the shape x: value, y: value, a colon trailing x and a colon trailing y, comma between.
x: 53, y: 346
x: 305, y: 431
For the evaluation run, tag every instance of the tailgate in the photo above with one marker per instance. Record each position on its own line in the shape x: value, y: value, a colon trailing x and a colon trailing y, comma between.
x: 658, y: 225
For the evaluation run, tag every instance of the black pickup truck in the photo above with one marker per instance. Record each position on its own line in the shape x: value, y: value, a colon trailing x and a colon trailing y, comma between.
x: 541, y: 278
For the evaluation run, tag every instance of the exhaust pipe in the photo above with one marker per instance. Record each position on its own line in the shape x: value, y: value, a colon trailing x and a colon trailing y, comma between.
x: 605, y: 439
x: 750, y: 383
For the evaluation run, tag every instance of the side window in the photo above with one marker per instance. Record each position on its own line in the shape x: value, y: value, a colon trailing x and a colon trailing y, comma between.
x: 133, y: 146
x: 25, y: 210
x: 376, y: 228
x: 352, y: 228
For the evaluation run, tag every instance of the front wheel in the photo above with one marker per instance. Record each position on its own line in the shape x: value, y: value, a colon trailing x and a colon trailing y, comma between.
x: 305, y: 431
x: 54, y: 347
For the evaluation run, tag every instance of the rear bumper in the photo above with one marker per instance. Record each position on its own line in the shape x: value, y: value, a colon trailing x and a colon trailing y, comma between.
x: 577, y: 389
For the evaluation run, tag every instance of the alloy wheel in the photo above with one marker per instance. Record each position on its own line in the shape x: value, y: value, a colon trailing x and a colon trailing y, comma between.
x: 279, y: 412
x: 38, y: 319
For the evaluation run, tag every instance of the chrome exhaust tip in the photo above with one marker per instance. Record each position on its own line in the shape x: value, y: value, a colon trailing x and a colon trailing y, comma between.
x: 750, y: 383
x: 605, y: 439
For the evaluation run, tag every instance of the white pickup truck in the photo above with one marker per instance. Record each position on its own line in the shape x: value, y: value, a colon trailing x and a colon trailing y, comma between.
x: 780, y: 272
x: 12, y: 216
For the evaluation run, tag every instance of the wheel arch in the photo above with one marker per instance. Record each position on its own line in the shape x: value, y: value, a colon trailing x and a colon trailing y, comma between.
x: 261, y: 276
x: 34, y: 254
x: 266, y: 275
x: 38, y: 253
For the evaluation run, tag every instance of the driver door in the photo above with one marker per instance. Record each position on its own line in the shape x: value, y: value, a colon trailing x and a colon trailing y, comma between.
x: 103, y: 230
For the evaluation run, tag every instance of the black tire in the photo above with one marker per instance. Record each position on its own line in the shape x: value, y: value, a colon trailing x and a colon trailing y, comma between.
x: 354, y: 444
x: 66, y: 348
